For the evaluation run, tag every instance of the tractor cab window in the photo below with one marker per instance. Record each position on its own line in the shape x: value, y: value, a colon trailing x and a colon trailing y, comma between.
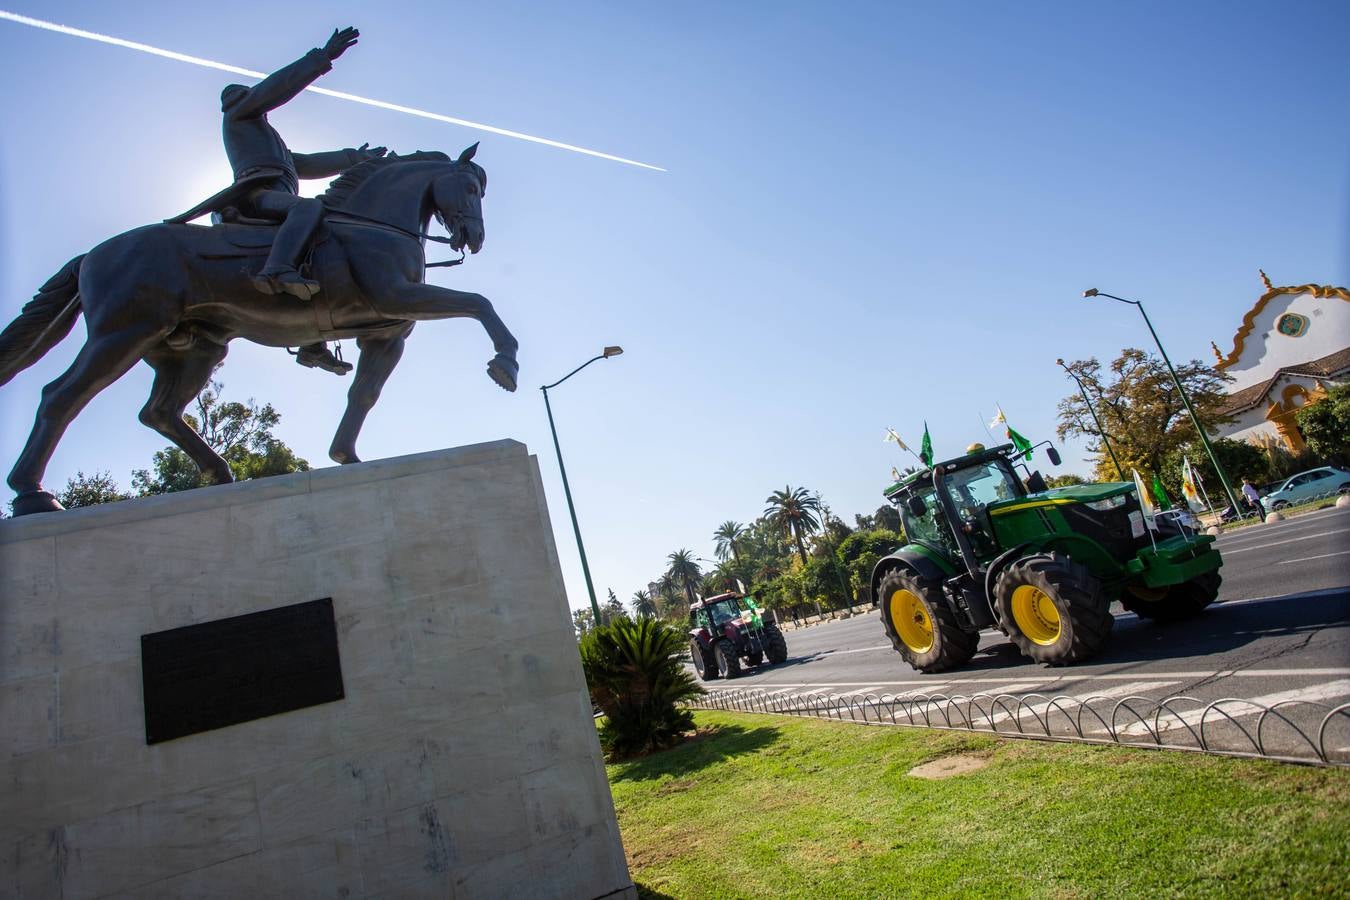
x: 699, y: 618
x: 974, y: 488
x: 724, y: 612
x: 929, y: 528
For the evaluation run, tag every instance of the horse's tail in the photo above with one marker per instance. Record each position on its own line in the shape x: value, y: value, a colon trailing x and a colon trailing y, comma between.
x: 45, y: 320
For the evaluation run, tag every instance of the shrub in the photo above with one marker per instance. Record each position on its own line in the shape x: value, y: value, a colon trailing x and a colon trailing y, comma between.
x: 636, y: 675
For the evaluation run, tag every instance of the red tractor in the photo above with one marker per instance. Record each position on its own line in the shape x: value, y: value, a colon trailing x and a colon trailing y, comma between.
x: 727, y: 628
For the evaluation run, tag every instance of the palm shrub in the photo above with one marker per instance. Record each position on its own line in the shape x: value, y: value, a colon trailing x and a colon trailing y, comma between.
x: 636, y: 675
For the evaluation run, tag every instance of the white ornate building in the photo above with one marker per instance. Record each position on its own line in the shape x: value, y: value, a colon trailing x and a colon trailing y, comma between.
x: 1291, y: 347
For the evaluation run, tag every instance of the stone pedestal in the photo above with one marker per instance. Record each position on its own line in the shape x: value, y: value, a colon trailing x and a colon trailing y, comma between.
x: 462, y: 760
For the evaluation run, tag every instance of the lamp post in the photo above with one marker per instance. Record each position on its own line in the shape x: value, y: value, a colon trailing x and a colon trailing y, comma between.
x: 1093, y: 412
x: 567, y: 490
x: 1200, y: 429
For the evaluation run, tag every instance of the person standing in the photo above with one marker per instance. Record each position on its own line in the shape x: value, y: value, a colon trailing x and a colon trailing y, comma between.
x: 1253, y: 497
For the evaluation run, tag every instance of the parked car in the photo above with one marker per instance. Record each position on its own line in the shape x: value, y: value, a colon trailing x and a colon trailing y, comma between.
x: 1307, y: 485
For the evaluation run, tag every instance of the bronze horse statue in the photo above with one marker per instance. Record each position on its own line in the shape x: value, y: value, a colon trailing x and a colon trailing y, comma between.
x: 175, y: 296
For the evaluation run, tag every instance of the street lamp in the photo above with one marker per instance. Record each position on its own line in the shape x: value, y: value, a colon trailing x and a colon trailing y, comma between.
x: 567, y: 491
x: 1200, y: 429
x: 1093, y: 412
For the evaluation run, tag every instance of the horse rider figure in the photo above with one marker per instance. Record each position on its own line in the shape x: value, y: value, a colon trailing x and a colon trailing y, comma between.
x: 267, y: 174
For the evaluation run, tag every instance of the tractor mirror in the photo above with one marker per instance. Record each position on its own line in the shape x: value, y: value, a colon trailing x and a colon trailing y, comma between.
x: 916, y: 505
x: 1053, y: 454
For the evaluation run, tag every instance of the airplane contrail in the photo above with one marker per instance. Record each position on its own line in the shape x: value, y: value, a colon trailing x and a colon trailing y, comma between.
x: 341, y: 95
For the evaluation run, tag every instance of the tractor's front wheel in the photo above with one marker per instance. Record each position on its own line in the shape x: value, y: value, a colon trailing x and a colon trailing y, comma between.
x: 728, y: 663
x: 775, y: 645
x: 920, y: 624
x: 705, y: 661
x: 1180, y: 601
x: 1053, y: 609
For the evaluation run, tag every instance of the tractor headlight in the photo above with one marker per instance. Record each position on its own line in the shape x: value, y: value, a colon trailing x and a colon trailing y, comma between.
x: 1108, y: 504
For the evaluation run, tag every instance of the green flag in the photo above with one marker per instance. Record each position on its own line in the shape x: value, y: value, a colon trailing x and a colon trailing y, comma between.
x: 1163, y: 502
x: 1022, y: 444
x: 926, y: 448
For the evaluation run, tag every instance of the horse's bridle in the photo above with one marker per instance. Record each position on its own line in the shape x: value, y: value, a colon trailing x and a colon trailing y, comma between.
x: 359, y: 219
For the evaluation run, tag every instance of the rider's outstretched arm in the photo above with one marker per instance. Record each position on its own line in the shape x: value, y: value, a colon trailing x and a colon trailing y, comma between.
x: 283, y: 84
x: 331, y: 162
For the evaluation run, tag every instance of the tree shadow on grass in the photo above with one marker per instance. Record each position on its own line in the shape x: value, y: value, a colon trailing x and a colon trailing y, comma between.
x: 709, y: 746
x: 646, y: 893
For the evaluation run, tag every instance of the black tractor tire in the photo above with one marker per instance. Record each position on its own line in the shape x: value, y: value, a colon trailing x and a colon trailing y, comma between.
x: 935, y: 642
x: 1180, y: 601
x: 775, y: 645
x: 705, y: 661
x: 728, y: 663
x: 1077, y: 623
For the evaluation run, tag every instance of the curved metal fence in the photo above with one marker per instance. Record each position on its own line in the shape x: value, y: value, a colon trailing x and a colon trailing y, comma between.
x: 1294, y: 731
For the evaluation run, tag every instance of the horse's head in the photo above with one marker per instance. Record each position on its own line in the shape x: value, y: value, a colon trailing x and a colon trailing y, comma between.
x: 457, y: 197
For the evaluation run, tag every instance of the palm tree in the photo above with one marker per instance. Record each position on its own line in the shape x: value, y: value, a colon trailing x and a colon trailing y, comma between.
x: 722, y: 578
x: 636, y: 675
x: 644, y: 607
x: 794, y: 511
x: 670, y: 600
x: 684, y: 571
x: 726, y: 536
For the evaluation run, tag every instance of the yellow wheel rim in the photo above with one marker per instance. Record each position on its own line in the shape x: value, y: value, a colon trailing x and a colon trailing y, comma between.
x: 1035, y: 614
x: 911, y: 621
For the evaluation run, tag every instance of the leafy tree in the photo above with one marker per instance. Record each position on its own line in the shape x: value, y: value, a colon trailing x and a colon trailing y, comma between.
x: 684, y: 572
x: 1239, y: 460
x: 726, y: 536
x: 860, y: 553
x: 722, y: 578
x: 90, y: 490
x: 886, y: 518
x: 793, y: 512
x: 1326, y: 426
x: 1068, y: 478
x: 240, y: 432
x: 672, y: 607
x: 583, y: 622
x: 1140, y: 409
x: 613, y: 609
x: 644, y: 607
x: 636, y: 675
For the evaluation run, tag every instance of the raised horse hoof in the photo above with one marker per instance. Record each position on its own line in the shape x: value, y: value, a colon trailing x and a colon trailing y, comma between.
x: 30, y: 502
x: 503, y: 369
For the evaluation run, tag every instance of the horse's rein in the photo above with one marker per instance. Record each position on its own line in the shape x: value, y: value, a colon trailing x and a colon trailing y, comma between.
x: 367, y: 221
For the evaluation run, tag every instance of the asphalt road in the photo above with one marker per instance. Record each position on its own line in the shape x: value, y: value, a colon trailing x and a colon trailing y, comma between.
x: 1279, y: 632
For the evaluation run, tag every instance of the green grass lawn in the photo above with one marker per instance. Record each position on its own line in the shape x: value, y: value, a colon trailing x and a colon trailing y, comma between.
x: 765, y: 806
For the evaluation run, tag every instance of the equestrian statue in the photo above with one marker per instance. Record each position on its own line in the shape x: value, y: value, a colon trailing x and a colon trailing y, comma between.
x: 273, y: 268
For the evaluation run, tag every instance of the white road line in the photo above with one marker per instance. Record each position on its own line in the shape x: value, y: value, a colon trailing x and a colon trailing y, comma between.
x: 1241, y: 708
x: 1286, y: 562
x: 1306, y: 537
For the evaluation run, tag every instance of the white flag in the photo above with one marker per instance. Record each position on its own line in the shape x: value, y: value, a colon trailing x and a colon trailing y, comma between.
x: 999, y: 419
x: 1145, y: 503
x: 892, y: 436
x: 1188, y: 486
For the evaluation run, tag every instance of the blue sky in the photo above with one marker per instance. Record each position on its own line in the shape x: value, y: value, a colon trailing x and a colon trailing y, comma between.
x: 875, y: 214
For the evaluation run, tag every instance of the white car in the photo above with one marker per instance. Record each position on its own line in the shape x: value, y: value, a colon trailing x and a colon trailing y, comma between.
x: 1308, y: 485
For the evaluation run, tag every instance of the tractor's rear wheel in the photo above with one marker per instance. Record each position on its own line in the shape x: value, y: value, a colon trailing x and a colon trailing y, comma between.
x: 921, y: 626
x: 728, y: 663
x: 1180, y: 601
x: 1053, y: 609
x: 775, y: 645
x: 705, y: 662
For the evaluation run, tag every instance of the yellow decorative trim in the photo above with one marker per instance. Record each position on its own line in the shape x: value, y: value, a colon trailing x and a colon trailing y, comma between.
x: 1021, y: 506
x: 1248, y: 325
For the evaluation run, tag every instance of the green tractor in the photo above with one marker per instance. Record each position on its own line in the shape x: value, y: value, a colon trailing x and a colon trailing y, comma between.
x: 1042, y: 566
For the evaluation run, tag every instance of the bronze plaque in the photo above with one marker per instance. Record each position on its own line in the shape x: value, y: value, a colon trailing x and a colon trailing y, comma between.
x: 220, y: 673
